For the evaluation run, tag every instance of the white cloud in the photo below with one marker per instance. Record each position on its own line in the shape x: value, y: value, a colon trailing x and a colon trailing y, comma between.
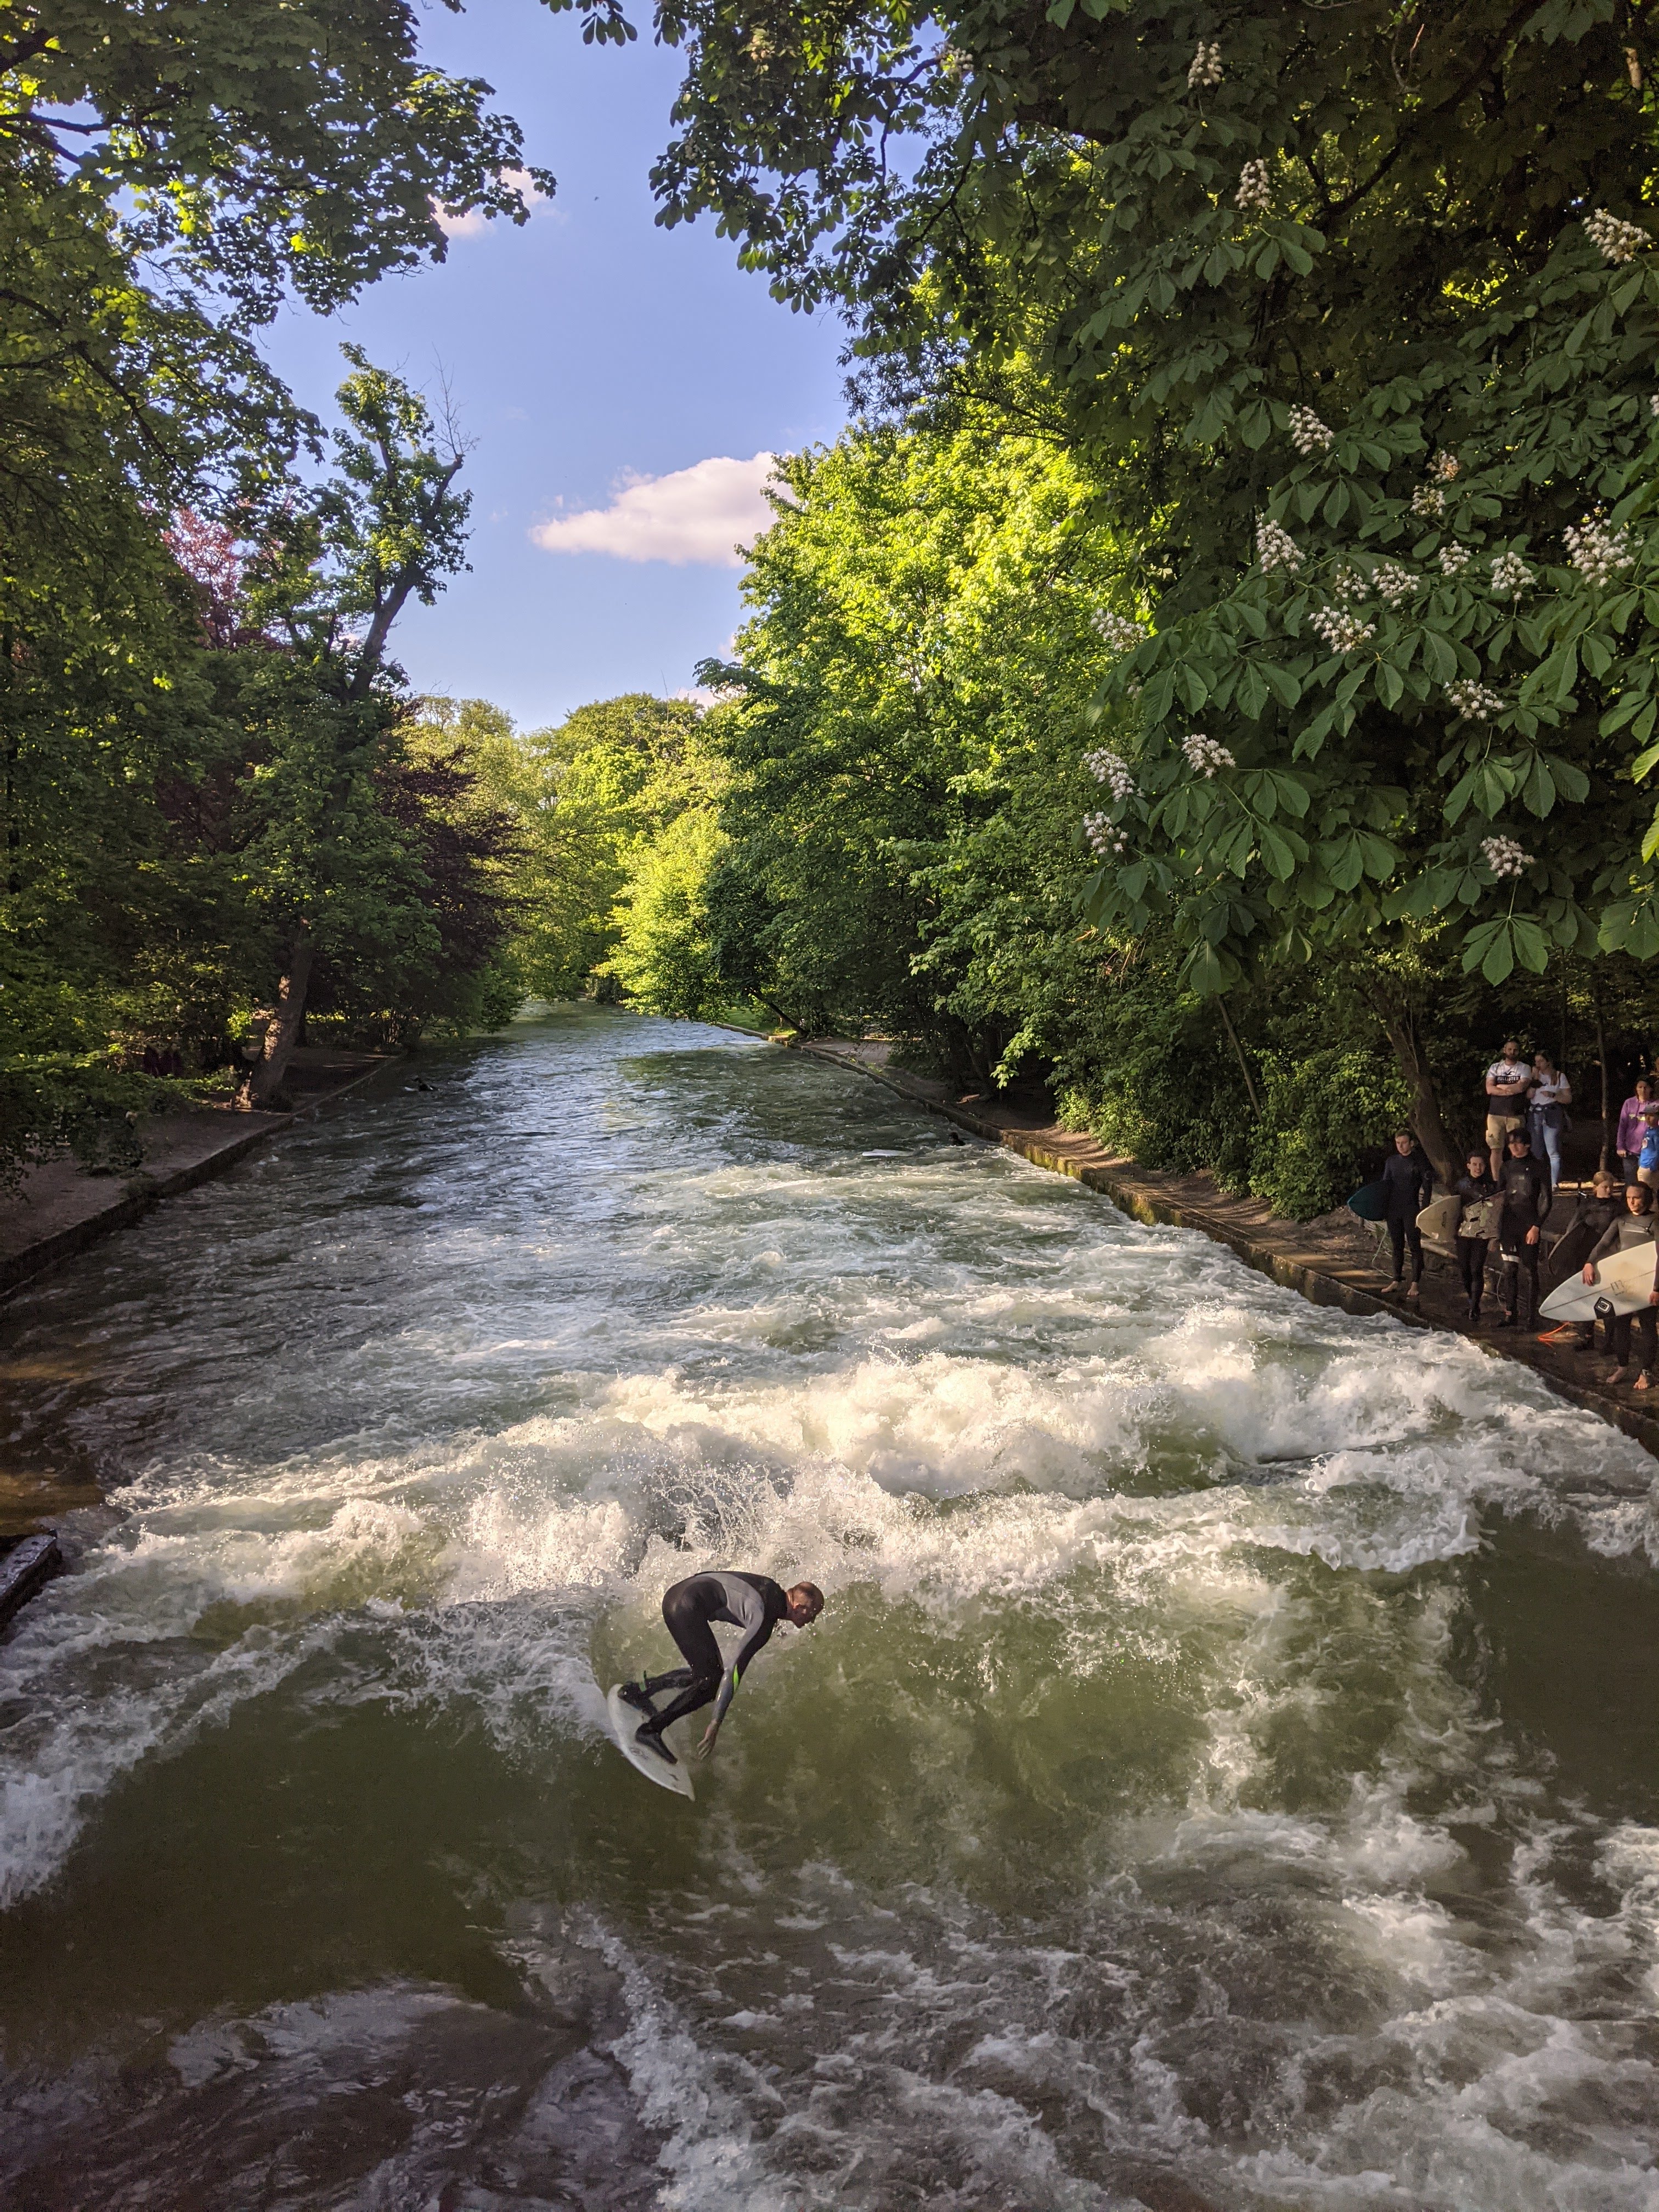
x: 472, y: 223
x: 700, y: 514
x: 700, y: 694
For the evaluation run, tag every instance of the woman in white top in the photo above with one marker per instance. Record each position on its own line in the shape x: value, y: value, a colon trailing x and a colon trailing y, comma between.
x: 1548, y: 1100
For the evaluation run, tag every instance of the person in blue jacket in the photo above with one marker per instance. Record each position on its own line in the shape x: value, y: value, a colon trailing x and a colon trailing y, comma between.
x: 1647, y: 1156
x: 1409, y: 1183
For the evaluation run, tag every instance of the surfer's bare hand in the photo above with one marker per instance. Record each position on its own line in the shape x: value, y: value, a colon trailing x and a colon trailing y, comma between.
x: 1590, y: 1272
x: 707, y: 1743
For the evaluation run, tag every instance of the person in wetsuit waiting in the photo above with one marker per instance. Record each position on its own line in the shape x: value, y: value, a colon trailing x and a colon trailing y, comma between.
x: 1636, y: 1228
x: 753, y: 1603
x: 1526, y: 1196
x: 1477, y: 1219
x: 1410, y: 1185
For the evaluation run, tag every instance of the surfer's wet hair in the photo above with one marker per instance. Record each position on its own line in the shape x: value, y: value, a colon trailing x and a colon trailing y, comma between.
x: 811, y: 1593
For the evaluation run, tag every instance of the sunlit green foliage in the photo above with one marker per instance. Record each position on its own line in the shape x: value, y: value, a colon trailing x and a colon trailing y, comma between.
x: 1352, y: 318
x: 907, y: 783
x: 665, y: 959
x: 193, y: 821
x: 593, y: 795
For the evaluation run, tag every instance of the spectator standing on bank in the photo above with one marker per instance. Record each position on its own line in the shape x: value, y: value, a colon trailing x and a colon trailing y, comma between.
x: 1636, y: 1227
x: 1525, y: 1181
x: 1647, y: 1153
x: 1477, y: 1220
x: 1508, y: 1081
x: 1630, y: 1127
x: 1409, y: 1183
x: 1546, y: 1112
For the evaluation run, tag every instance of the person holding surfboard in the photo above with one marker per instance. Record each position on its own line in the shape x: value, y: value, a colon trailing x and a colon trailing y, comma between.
x: 1599, y: 1209
x: 1477, y: 1218
x: 754, y: 1603
x: 1409, y: 1183
x: 1636, y: 1228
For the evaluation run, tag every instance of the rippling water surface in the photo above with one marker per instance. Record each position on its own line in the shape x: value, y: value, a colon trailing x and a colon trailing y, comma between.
x: 1226, y: 1774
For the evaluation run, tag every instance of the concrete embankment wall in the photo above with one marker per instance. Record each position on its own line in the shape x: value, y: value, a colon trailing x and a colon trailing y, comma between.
x: 1300, y: 1256
x: 60, y: 1210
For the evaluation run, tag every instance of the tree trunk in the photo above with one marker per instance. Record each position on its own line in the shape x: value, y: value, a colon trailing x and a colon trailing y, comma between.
x: 1609, y: 1135
x: 1244, y: 1064
x: 264, y: 1079
x: 1401, y: 1027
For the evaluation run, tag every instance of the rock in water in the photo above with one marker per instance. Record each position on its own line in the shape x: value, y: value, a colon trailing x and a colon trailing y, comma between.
x: 25, y: 1571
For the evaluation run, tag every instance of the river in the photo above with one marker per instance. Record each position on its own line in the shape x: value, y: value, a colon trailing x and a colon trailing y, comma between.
x: 1226, y: 1772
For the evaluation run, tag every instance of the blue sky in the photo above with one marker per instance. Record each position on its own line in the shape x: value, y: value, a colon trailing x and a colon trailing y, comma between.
x: 584, y: 350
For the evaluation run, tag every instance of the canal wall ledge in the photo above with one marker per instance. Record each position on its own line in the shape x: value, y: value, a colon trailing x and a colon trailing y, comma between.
x: 1331, y: 1262
x: 59, y: 1210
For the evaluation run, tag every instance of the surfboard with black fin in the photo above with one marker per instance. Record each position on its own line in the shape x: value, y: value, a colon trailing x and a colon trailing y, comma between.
x: 625, y: 1727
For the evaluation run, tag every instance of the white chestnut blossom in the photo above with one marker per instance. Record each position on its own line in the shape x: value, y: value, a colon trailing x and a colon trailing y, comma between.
x: 1653, y: 403
x: 1618, y: 241
x: 1256, y: 192
x: 1121, y: 633
x: 1204, y: 755
x: 1105, y: 838
x: 1454, y: 559
x: 1340, y: 630
x: 1596, y: 549
x: 1347, y: 584
x: 1429, y: 501
x: 1504, y: 857
x: 1112, y: 770
x: 1276, y: 549
x: 1308, y: 434
x: 1393, y: 581
x: 1475, y: 700
x: 1206, y: 67
x: 1445, y: 468
x: 1509, y: 575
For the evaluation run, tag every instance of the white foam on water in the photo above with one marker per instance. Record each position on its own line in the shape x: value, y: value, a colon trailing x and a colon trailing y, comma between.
x: 67, y: 1756
x: 837, y: 1480
x: 965, y: 1401
x: 699, y: 2101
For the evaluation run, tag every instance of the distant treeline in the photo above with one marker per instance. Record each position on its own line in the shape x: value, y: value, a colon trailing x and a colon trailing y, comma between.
x: 879, y: 824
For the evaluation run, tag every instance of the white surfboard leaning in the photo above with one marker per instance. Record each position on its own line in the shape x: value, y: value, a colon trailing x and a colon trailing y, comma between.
x: 1623, y: 1279
x: 1437, y: 1224
x: 624, y: 1722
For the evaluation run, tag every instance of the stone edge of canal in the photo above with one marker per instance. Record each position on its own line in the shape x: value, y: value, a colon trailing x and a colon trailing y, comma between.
x: 1274, y: 1248
x: 28, y: 1563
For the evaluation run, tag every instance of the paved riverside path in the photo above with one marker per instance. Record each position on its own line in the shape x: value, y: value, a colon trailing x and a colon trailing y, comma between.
x: 59, y: 1210
x: 1327, y: 1260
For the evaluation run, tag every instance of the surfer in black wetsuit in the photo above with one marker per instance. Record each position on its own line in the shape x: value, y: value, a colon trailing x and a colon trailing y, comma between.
x: 1527, y: 1195
x: 1410, y: 1185
x: 753, y: 1603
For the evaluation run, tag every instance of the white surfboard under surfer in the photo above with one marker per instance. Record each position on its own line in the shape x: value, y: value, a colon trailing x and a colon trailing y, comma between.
x: 754, y: 1603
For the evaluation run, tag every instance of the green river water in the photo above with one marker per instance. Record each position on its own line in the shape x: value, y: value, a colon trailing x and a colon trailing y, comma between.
x: 1226, y: 1773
